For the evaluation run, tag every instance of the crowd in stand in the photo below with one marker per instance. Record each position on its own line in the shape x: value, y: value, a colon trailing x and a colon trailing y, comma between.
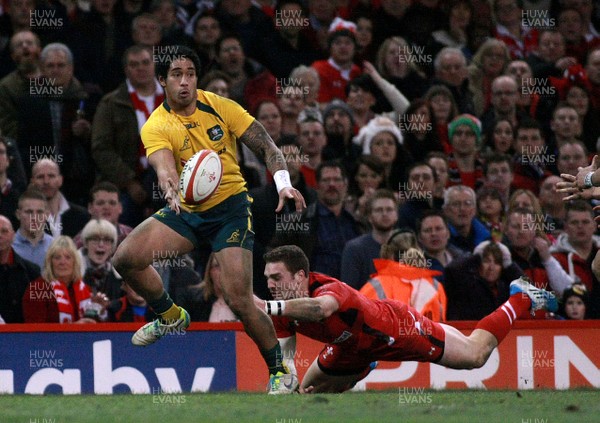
x: 426, y: 136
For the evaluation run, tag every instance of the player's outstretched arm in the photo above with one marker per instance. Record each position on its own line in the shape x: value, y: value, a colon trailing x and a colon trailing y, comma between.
x: 260, y: 142
x: 307, y: 309
x: 163, y: 163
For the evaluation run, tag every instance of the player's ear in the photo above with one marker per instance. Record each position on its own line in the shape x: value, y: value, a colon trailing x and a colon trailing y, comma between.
x: 162, y: 81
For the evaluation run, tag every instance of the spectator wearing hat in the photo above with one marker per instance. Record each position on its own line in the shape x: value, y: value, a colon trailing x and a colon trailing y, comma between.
x: 382, y: 139
x: 339, y: 68
x: 464, y: 166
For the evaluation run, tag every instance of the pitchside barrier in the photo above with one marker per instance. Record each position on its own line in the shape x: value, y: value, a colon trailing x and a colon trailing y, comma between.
x: 76, y: 359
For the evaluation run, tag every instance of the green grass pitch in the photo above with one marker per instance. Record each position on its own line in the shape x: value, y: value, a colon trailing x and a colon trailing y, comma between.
x: 406, y: 405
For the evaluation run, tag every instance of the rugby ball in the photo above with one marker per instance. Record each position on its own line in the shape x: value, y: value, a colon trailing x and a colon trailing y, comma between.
x: 200, y: 177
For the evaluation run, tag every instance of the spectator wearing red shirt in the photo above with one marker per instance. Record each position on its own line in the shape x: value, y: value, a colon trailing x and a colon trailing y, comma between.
x: 339, y: 68
x: 60, y: 295
x: 512, y: 28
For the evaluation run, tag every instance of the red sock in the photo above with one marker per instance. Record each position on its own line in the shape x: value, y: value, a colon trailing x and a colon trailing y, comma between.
x: 500, y: 321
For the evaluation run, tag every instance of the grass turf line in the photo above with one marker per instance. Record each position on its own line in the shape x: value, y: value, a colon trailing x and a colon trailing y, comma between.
x: 409, y: 405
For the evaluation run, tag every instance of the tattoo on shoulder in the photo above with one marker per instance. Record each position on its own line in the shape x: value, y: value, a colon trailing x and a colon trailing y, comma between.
x: 258, y: 140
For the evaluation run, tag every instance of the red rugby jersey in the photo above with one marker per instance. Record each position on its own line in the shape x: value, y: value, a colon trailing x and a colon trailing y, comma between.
x: 359, y: 321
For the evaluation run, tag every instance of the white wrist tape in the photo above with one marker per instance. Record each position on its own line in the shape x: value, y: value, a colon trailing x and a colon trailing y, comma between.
x: 274, y: 308
x: 282, y: 180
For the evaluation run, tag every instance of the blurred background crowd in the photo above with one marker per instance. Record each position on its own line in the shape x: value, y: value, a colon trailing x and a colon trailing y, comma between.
x: 426, y: 136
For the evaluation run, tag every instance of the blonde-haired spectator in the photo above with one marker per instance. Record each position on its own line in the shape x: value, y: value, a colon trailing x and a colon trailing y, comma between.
x: 60, y: 295
x: 99, y: 238
x: 488, y: 63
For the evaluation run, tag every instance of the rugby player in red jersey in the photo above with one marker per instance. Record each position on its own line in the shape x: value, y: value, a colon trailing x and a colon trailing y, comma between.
x: 358, y: 331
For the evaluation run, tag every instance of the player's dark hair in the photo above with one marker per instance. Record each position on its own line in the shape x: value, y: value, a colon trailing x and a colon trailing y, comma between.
x: 291, y: 256
x: 162, y: 61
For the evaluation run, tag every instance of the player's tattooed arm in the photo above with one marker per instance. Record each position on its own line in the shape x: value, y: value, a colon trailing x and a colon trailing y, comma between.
x: 311, y: 309
x: 260, y: 142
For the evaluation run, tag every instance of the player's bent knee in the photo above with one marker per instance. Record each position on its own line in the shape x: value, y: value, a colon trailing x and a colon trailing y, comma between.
x: 125, y: 260
x: 120, y: 260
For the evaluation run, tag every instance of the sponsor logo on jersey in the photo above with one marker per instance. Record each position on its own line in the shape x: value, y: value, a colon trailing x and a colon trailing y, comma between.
x: 215, y: 133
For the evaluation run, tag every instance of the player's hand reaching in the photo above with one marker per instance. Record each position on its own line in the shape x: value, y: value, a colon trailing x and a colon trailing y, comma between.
x: 583, y: 171
x: 172, y: 196
x: 291, y: 193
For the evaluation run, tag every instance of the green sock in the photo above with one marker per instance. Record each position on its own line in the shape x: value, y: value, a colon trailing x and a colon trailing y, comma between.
x: 274, y: 360
x: 165, y: 307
